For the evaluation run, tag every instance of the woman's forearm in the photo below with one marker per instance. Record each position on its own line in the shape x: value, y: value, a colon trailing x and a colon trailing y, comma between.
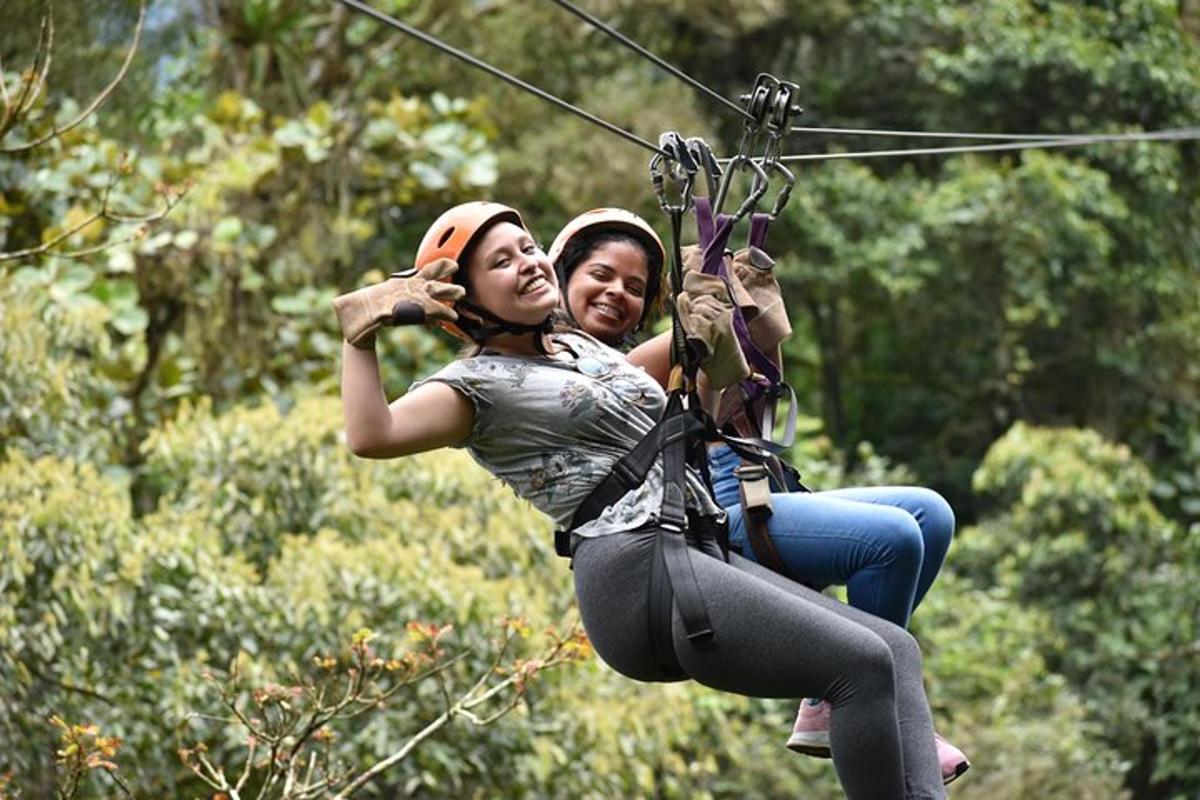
x: 654, y: 356
x: 364, y: 405
x: 710, y: 398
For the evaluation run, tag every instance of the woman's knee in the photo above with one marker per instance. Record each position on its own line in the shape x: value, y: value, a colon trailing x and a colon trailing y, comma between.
x: 902, y: 647
x: 938, y: 520
x: 902, y: 539
x: 871, y: 673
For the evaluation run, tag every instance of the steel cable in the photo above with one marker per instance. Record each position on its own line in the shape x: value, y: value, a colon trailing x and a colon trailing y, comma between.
x: 637, y: 48
x: 1011, y: 142
x: 1178, y: 134
x: 938, y: 134
x: 495, y: 72
x: 695, y: 84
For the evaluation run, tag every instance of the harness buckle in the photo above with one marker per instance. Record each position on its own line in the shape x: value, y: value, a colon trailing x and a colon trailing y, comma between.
x: 756, y: 488
x: 750, y: 472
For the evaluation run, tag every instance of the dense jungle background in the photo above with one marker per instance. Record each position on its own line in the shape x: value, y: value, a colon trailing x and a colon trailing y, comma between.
x: 192, y: 566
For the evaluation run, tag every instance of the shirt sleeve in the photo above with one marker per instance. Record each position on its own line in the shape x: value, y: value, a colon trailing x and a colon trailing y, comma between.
x: 470, y: 387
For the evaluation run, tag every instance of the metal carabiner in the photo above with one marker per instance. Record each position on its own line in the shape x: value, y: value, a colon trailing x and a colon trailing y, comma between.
x: 684, y: 169
x: 758, y: 104
x: 778, y: 125
x: 658, y: 180
x: 757, y: 189
x: 677, y: 162
x: 676, y: 147
x: 781, y: 199
x: 703, y: 155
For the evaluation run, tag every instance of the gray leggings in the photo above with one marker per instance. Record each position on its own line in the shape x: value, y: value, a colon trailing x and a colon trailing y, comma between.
x: 775, y: 638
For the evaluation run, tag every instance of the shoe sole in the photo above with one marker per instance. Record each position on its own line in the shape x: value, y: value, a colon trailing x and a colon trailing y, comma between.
x: 822, y: 751
x: 798, y: 744
x: 958, y: 773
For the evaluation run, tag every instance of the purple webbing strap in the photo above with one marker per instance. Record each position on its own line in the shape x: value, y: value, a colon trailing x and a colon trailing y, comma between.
x: 714, y: 236
x: 706, y: 229
x: 759, y: 224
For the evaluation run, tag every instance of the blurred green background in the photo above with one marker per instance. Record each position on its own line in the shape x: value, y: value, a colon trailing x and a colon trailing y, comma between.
x: 1020, y: 331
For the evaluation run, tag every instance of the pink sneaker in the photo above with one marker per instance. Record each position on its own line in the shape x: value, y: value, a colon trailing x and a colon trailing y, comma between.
x: 810, y: 734
x: 952, y: 760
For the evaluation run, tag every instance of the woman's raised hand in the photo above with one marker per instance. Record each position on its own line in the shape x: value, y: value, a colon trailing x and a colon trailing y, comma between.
x: 412, y: 297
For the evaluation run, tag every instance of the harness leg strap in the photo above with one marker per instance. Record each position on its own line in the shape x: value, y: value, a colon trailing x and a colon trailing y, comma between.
x: 755, y: 486
x: 673, y: 524
x: 660, y: 613
x: 688, y: 599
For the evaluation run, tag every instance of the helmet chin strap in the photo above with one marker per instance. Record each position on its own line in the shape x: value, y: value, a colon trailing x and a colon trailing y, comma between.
x: 489, y: 325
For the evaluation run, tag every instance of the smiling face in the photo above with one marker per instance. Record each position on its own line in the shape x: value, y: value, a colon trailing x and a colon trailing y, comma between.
x: 510, y: 276
x: 607, y: 290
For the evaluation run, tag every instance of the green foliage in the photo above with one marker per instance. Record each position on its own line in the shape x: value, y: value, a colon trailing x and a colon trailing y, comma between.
x: 957, y: 295
x: 116, y: 622
x: 53, y: 398
x: 1079, y: 518
x: 255, y: 474
x: 102, y: 618
x: 993, y: 693
x: 1078, y: 537
x: 54, y: 552
x: 174, y: 491
x: 251, y: 258
x: 823, y: 466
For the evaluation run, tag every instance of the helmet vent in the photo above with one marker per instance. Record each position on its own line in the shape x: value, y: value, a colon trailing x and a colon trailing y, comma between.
x: 445, y: 237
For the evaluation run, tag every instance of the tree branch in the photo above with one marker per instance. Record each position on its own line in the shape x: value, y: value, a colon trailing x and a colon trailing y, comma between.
x: 44, y: 678
x: 398, y: 756
x: 14, y: 110
x: 98, y: 101
x: 45, y: 51
x: 171, y: 198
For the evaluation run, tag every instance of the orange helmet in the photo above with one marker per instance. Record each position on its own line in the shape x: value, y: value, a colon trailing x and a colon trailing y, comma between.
x: 614, y: 219
x: 454, y: 233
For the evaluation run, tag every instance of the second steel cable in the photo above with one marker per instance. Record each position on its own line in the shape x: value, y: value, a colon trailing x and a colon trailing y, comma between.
x: 495, y: 72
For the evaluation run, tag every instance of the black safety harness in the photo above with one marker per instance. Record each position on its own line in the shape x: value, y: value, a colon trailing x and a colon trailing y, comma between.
x: 679, y: 437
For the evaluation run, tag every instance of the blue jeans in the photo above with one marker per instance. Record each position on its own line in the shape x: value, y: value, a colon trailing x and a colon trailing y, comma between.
x: 884, y: 543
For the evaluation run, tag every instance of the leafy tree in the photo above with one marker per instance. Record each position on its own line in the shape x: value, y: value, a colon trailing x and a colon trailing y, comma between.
x: 174, y: 493
x: 1077, y: 535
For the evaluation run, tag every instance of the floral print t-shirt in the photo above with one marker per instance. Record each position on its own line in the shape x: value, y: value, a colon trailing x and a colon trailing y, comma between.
x: 551, y: 427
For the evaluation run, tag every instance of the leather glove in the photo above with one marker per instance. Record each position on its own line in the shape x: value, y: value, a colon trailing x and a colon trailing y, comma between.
x: 755, y: 270
x: 706, y: 312
x: 406, y: 298
x: 693, y: 261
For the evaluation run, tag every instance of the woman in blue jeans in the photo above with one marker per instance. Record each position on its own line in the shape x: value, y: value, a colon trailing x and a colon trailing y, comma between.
x: 885, y: 544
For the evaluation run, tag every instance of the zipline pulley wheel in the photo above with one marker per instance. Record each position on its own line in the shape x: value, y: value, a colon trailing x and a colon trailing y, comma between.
x: 778, y: 124
x: 758, y: 106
